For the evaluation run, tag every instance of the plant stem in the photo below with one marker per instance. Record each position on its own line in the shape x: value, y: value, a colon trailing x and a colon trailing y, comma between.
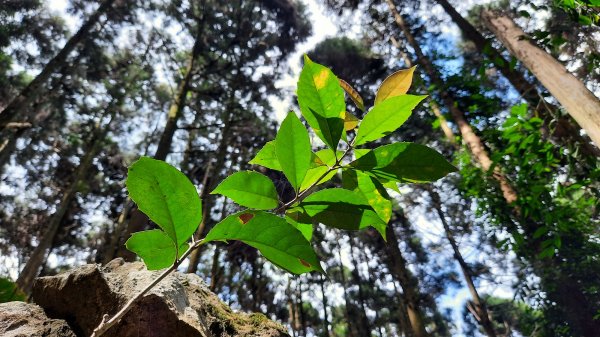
x: 300, y: 195
x: 107, y: 323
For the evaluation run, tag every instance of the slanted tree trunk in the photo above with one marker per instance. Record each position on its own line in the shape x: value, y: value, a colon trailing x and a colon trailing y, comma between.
x: 351, y: 327
x: 16, y: 107
x: 469, y: 137
x: 563, y: 129
x: 300, y: 307
x: 578, y: 100
x: 138, y: 220
x: 117, y: 235
x: 371, y: 279
x: 293, y: 317
x: 364, y: 326
x: 579, y: 316
x: 408, y: 282
x: 326, y: 332
x: 215, y: 269
x: 212, y: 178
x: 38, y: 257
x: 481, y: 313
x: 403, y: 322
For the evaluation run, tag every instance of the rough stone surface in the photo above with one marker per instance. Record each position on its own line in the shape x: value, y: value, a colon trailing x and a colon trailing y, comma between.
x: 180, y: 305
x: 20, y: 319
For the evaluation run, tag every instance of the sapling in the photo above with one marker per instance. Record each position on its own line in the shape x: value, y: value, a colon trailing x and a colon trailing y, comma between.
x: 282, y: 231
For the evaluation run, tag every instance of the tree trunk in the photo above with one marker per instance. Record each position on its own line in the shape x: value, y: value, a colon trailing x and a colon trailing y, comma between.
x: 211, y: 179
x: 138, y: 220
x: 365, y: 326
x: 8, y: 146
x: 469, y: 137
x: 38, y: 257
x: 403, y: 322
x: 32, y: 90
x: 579, y: 102
x: 351, y: 328
x: 407, y: 281
x: 300, y: 306
x: 580, y: 317
x: 325, y: 306
x: 215, y: 269
x: 563, y: 130
x: 112, y: 250
x: 435, y: 108
x: 481, y: 313
x: 291, y: 309
x: 371, y: 279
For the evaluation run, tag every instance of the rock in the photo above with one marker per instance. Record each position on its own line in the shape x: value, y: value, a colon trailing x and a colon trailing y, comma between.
x: 180, y: 305
x: 20, y: 319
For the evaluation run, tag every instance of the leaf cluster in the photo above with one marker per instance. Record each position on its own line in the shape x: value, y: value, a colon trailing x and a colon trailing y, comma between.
x: 280, y: 230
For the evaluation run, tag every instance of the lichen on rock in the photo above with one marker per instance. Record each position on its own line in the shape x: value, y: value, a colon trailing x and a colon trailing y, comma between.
x: 180, y: 305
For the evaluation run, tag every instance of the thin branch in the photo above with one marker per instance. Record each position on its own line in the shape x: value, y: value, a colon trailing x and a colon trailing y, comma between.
x: 18, y: 125
x: 107, y: 323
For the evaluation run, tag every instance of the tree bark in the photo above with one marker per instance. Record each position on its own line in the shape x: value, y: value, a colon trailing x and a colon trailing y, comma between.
x: 563, y: 130
x: 38, y: 257
x: 435, y: 108
x: 325, y: 306
x: 300, y: 305
x: 580, y: 317
x: 138, y: 220
x: 469, y: 137
x: 351, y: 327
x: 211, y: 180
x: 579, y: 102
x: 32, y: 90
x: 365, y: 326
x: 403, y: 322
x: 291, y: 309
x: 481, y: 315
x: 215, y: 269
x: 407, y: 281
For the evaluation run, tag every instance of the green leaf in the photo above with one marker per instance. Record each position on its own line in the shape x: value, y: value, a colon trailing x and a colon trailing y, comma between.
x: 392, y: 185
x: 376, y: 195
x: 540, y: 232
x: 166, y: 196
x: 9, y: 291
x: 267, y: 157
x: 293, y: 149
x: 404, y: 162
x: 349, y: 180
x: 321, y: 100
x: 585, y: 20
x: 155, y: 247
x: 394, y: 85
x: 276, y: 239
x: 386, y: 117
x: 301, y: 221
x: 341, y: 208
x: 360, y: 152
x: 328, y: 159
x: 250, y: 189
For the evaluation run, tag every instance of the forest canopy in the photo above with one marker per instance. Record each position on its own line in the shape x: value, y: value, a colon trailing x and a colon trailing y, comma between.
x: 346, y: 168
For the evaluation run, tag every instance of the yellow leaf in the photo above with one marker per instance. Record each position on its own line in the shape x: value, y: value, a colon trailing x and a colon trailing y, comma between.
x: 354, y: 95
x: 350, y: 121
x: 396, y: 84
